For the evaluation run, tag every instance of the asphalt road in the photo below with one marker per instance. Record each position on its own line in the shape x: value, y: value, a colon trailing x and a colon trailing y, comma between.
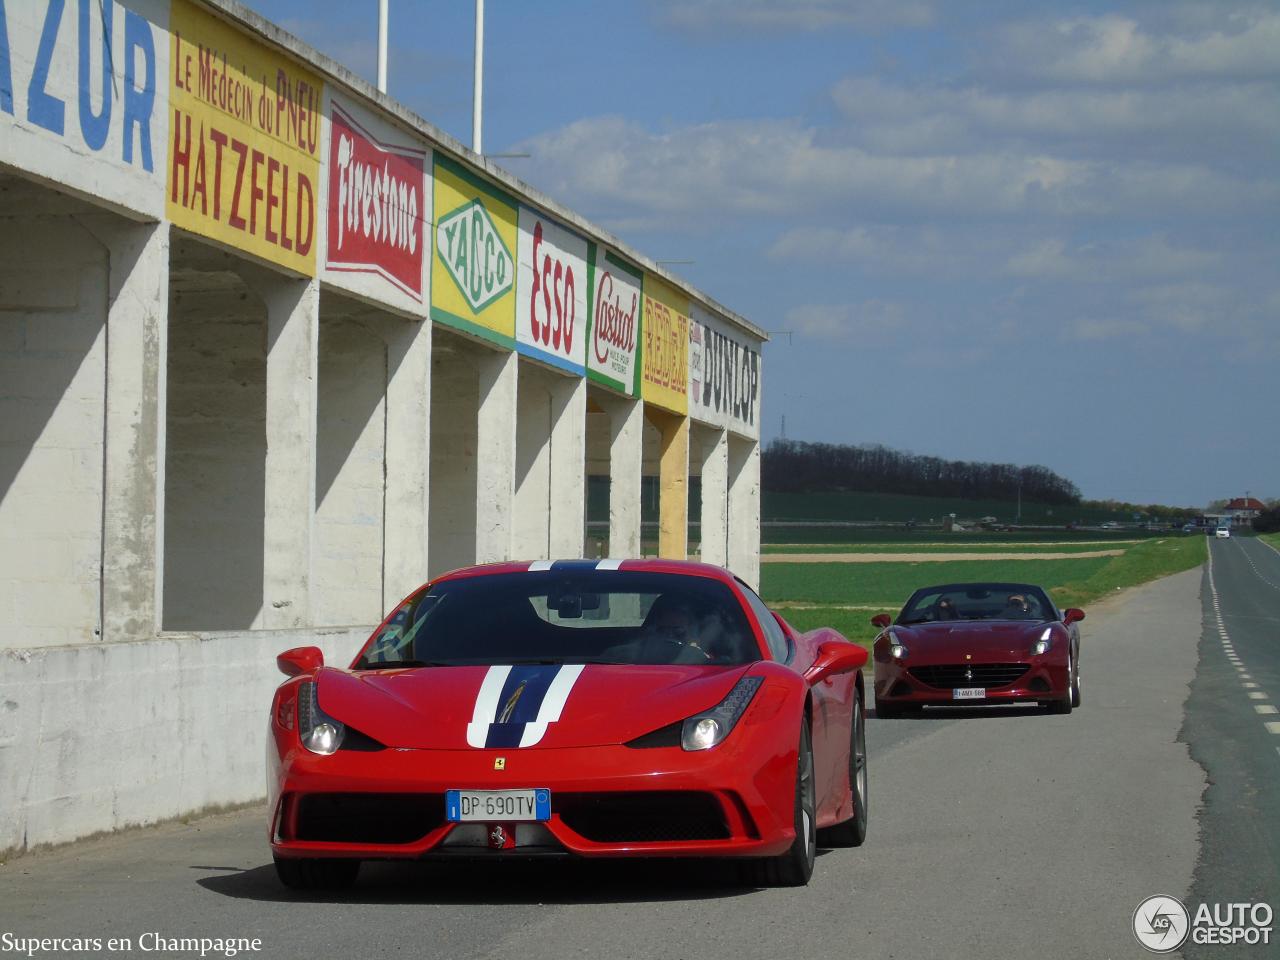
x: 1001, y: 833
x: 1233, y: 727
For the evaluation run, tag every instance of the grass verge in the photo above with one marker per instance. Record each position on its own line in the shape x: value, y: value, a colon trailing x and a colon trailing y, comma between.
x: 1141, y: 564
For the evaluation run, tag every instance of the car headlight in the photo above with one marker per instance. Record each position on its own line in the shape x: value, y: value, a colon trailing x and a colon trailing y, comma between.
x: 320, y: 733
x: 897, y: 649
x: 704, y: 730
x: 1043, y: 644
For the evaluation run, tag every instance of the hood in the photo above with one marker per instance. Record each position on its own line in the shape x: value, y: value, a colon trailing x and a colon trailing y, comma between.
x: 460, y: 708
x: 993, y: 641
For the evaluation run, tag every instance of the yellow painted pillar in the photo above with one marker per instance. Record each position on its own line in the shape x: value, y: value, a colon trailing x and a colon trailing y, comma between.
x: 673, y: 487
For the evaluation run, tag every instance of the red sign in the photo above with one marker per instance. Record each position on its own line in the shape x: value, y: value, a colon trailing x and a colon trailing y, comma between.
x: 375, y: 206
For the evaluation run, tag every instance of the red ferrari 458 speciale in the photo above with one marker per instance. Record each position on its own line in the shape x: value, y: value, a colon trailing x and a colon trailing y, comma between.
x: 582, y: 707
x: 977, y: 643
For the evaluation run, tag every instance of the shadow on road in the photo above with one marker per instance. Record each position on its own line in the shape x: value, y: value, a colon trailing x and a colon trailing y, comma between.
x: 968, y: 713
x: 512, y: 882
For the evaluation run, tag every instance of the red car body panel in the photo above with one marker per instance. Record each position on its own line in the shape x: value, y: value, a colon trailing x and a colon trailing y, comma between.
x: 421, y: 715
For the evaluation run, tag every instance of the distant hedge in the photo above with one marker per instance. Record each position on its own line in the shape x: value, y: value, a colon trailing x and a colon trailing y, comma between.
x: 1268, y: 521
x: 795, y: 466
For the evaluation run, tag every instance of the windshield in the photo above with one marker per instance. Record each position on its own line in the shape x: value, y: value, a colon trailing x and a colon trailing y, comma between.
x: 978, y: 601
x: 589, y: 616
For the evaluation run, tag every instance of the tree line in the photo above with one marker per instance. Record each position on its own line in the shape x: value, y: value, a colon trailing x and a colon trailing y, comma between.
x: 796, y: 466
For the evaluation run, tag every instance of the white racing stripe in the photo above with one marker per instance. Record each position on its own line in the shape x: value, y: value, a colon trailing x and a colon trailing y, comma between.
x: 552, y: 704
x: 609, y: 564
x: 538, y: 565
x: 486, y: 705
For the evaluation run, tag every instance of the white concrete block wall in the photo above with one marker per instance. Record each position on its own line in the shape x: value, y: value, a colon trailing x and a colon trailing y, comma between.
x: 455, y: 398
x: 531, y: 519
x: 215, y: 456
x: 567, y: 509
x: 118, y: 734
x: 744, y: 509
x: 53, y: 311
x: 712, y: 456
x: 496, y: 420
x: 349, y: 473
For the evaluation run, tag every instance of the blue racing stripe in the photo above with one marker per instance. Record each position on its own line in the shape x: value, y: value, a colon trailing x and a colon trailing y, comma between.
x: 535, y: 679
x: 567, y: 565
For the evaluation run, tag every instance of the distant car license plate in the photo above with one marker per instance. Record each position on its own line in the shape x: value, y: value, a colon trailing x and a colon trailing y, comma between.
x: 486, y: 805
x: 969, y: 693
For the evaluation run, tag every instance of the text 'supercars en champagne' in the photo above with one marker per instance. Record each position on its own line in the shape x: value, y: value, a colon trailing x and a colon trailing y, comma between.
x: 597, y: 708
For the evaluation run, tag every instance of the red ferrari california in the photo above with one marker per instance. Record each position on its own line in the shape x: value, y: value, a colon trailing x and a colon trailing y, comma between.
x: 594, y: 708
x: 977, y: 643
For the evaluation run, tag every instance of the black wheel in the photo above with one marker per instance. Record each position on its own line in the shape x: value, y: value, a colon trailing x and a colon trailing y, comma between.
x: 1063, y: 706
x: 316, y: 874
x: 853, y: 831
x: 795, y: 867
x: 1075, y: 683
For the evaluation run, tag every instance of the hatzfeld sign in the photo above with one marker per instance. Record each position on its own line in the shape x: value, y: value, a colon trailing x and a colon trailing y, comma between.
x: 376, y: 205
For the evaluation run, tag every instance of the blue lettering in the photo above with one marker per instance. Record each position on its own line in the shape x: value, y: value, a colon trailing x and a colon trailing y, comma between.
x: 138, y: 101
x: 42, y: 109
x: 6, y: 75
x: 95, y: 126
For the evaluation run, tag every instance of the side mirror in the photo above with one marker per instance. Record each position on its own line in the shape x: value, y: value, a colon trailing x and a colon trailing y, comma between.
x: 881, y: 620
x: 1072, y: 615
x: 835, y: 656
x: 300, y: 660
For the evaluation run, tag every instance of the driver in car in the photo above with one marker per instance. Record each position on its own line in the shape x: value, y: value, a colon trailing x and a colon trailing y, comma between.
x: 1016, y: 608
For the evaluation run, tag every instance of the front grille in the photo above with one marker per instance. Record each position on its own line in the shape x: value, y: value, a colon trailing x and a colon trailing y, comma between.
x: 369, y: 817
x: 642, y: 817
x: 948, y: 676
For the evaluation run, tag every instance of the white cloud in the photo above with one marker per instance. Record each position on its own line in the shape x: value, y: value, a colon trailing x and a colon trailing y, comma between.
x: 871, y: 322
x: 1111, y: 47
x: 1109, y: 261
x: 798, y: 15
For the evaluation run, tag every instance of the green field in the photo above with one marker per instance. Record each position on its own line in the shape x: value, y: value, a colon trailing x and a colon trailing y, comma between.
x: 1271, y: 538
x: 958, y: 546
x: 900, y: 508
x: 813, y: 595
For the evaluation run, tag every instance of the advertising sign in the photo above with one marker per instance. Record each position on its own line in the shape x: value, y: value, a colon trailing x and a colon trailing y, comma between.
x: 473, y: 273
x: 551, y: 292
x: 83, y: 95
x: 724, y: 375
x: 664, y: 355
x: 244, y: 141
x: 616, y: 314
x: 376, y: 203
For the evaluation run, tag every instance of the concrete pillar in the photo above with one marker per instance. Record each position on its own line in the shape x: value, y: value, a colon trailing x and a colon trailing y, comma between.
x: 531, y: 518
x: 714, y: 521
x: 496, y: 455
x: 293, y: 349
x: 133, y: 478
x: 744, y: 509
x: 408, y: 458
x: 673, y: 484
x: 568, y: 505
x: 626, y: 470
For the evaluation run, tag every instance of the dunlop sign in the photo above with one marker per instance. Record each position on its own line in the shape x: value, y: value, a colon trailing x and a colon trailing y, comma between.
x: 474, y: 271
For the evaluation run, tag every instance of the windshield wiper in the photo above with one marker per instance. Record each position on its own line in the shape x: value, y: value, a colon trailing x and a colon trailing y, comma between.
x: 401, y: 664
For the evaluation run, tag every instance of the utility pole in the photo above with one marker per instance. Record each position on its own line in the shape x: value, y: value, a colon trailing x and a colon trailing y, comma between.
x: 382, y: 46
x: 477, y: 99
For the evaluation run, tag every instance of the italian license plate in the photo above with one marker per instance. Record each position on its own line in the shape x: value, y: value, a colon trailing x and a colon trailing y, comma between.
x: 969, y: 693
x: 488, y: 805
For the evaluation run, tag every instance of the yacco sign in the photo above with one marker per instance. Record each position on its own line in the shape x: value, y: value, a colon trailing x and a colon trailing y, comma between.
x: 473, y: 273
x: 724, y: 375
x: 376, y: 205
x: 616, y: 314
x: 244, y: 141
x: 552, y: 289
x: 664, y: 354
x: 86, y: 76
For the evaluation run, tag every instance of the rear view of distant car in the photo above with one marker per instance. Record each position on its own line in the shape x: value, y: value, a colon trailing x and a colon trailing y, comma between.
x: 1222, y: 533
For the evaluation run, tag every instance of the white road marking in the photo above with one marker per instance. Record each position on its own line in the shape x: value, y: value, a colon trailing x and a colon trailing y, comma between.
x: 1257, y: 695
x: 1265, y: 708
x: 1273, y: 726
x: 1248, y: 685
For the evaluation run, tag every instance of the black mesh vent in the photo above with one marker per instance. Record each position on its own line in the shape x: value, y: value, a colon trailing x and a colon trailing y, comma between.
x: 369, y: 817
x: 642, y: 817
x: 970, y: 674
x: 668, y: 736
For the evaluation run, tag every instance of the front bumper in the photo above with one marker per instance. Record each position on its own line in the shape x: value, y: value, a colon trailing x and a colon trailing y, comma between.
x: 895, y: 684
x: 733, y: 800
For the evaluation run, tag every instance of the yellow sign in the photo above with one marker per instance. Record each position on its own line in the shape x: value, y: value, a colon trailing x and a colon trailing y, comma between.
x: 664, y: 347
x: 473, y: 272
x: 244, y: 141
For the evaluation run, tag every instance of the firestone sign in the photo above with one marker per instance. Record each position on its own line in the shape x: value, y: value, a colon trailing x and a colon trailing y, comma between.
x: 376, y: 205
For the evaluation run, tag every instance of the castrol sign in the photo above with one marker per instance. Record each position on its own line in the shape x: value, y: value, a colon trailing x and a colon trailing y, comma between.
x: 616, y: 316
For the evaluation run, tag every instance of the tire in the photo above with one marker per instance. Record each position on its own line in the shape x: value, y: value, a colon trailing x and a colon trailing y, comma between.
x: 1075, y: 683
x: 853, y: 831
x: 307, y: 874
x: 1063, y: 707
x: 795, y: 867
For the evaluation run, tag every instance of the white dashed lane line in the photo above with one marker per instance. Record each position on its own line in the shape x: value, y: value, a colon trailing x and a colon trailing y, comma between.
x: 1246, y: 681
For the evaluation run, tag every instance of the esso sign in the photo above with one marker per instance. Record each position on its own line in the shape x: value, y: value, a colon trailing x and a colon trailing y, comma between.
x: 552, y: 282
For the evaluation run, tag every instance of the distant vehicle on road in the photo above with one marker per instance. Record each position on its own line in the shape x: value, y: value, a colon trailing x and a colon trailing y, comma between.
x: 977, y: 643
x: 1110, y: 525
x: 1222, y: 533
x: 595, y: 708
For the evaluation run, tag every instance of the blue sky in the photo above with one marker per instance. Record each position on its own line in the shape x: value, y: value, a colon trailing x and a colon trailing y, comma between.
x: 1023, y: 232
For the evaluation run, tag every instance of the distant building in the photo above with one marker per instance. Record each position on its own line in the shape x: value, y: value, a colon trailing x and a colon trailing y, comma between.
x: 1242, y: 510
